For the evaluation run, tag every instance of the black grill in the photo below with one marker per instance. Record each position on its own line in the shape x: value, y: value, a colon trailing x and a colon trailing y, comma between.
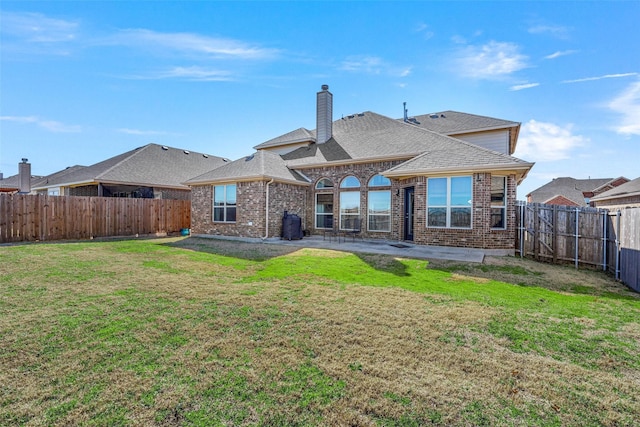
x: 291, y: 226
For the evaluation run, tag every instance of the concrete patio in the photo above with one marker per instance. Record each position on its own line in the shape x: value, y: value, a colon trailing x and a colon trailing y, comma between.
x: 394, y: 248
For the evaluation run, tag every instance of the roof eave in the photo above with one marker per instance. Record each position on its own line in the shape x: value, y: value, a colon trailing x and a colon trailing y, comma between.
x: 521, y: 170
x: 351, y: 161
x: 245, y: 179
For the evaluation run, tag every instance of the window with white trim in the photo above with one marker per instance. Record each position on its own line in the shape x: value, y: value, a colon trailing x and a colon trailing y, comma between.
x: 499, y: 202
x: 449, y: 202
x: 224, y: 203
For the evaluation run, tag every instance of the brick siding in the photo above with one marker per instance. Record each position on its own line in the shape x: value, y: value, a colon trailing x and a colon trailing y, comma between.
x: 300, y: 200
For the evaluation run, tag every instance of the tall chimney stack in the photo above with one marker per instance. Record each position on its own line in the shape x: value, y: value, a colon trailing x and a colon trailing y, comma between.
x: 24, y: 176
x: 324, y: 115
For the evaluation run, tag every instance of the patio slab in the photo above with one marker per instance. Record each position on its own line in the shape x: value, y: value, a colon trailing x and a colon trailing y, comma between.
x: 395, y: 248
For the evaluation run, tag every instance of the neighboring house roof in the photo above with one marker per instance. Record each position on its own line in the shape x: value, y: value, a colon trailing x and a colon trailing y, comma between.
x: 628, y: 189
x: 12, y: 183
x: 149, y: 165
x: 570, y: 188
x: 293, y: 137
x: 262, y: 165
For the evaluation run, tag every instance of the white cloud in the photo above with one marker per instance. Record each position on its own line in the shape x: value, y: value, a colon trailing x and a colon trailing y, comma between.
x: 554, y: 30
x: 491, y: 60
x: 627, y: 103
x: 560, y: 53
x: 372, y: 65
x: 540, y: 141
x: 194, y: 73
x: 37, y: 28
x: 141, y: 132
x: 50, y: 125
x: 606, y: 76
x: 190, y: 44
x: 523, y: 86
x: 425, y: 31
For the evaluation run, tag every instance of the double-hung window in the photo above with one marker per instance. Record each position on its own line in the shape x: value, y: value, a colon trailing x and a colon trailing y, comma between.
x: 224, y: 203
x: 449, y: 202
x: 498, y: 202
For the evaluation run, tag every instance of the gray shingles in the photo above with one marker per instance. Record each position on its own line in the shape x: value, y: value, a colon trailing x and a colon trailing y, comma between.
x: 568, y: 187
x: 260, y: 165
x: 298, y: 135
x: 453, y: 122
x: 627, y: 189
x: 151, y: 164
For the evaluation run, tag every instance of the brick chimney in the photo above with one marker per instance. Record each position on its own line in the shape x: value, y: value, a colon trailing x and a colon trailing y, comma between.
x: 324, y: 115
x: 24, y: 176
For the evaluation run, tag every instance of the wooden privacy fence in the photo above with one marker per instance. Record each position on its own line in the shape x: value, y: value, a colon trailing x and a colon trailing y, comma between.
x: 47, y: 218
x: 583, y: 236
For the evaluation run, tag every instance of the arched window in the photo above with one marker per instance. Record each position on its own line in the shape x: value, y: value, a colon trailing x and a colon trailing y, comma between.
x: 350, y: 182
x: 324, y: 183
x: 379, y: 181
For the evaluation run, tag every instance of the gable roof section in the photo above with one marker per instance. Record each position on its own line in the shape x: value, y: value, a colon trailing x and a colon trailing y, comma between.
x: 366, y: 137
x: 568, y: 187
x: 262, y: 165
x: 455, y: 156
x: 149, y: 165
x: 454, y: 122
x: 628, y: 189
x: 293, y: 137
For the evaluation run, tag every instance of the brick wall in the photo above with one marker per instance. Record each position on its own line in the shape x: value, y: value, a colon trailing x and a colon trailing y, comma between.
x: 481, y: 235
x: 250, y: 212
x: 300, y: 200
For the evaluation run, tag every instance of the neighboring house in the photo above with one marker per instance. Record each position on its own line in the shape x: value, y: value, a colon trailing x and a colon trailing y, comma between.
x: 403, y: 181
x: 625, y: 195
x: 151, y: 171
x: 568, y: 191
x: 20, y: 183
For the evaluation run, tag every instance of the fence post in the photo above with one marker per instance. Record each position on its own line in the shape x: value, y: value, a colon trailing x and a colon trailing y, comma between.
x: 577, y: 242
x: 604, y: 240
x: 619, y: 232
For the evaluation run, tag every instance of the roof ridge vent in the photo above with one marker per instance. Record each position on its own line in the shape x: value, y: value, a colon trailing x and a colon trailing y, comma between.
x: 206, y: 156
x: 186, y: 151
x: 165, y: 148
x: 434, y: 115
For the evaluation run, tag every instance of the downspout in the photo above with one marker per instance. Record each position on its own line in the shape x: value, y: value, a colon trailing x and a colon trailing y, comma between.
x: 266, y: 210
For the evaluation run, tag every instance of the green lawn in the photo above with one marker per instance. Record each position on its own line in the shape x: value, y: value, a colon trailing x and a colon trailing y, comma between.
x: 211, y: 333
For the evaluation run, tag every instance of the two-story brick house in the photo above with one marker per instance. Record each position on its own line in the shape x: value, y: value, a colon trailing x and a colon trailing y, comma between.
x: 401, y: 179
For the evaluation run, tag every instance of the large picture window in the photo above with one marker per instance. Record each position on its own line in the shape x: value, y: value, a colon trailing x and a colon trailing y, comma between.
x: 349, y: 209
x: 449, y: 202
x: 379, y: 210
x: 498, y: 202
x: 224, y: 203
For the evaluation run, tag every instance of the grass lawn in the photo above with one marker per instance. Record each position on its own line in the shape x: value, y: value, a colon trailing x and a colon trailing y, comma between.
x: 212, y: 333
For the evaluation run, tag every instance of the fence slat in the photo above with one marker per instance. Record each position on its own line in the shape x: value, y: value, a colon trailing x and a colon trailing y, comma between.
x: 583, y: 236
x: 47, y: 218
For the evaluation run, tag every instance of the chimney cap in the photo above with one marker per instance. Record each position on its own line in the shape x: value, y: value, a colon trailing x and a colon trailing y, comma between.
x: 25, y: 160
x: 325, y: 87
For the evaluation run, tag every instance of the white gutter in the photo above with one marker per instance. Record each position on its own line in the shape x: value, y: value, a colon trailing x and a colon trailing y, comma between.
x: 266, y: 208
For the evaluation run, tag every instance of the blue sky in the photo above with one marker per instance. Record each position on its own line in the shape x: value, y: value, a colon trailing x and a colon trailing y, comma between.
x: 82, y: 81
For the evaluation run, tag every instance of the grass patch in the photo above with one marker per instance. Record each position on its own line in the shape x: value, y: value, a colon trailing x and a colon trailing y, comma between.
x: 192, y: 332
